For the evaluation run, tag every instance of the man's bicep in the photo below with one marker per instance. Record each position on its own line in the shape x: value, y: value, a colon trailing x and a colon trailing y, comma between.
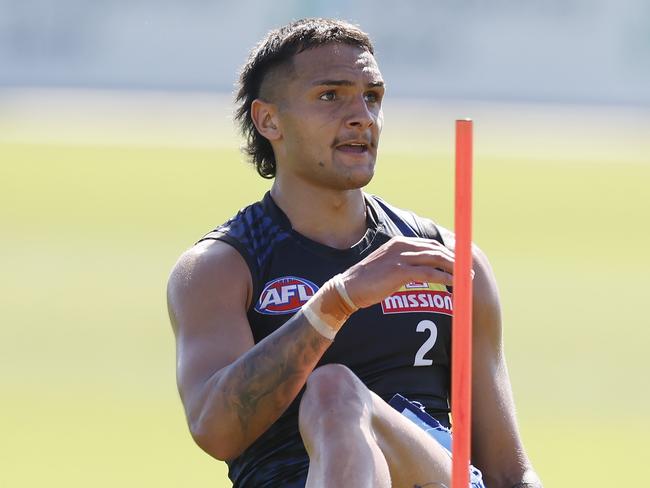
x: 208, y: 293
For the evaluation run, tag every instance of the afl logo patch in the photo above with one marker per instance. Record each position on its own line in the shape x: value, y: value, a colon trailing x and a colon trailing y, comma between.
x: 285, y: 295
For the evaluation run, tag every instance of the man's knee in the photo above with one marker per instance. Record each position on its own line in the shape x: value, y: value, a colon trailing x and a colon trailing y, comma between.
x: 333, y: 391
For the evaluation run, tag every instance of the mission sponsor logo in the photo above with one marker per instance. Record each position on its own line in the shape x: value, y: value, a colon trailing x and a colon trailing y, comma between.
x: 285, y: 295
x: 419, y: 297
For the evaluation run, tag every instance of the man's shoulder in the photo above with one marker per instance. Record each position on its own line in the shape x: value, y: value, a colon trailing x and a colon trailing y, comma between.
x: 407, y: 222
x: 206, y: 258
x: 250, y: 216
x: 252, y: 232
x: 222, y: 252
x: 207, y: 270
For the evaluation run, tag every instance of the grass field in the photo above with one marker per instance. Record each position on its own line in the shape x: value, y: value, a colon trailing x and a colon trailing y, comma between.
x: 91, y: 230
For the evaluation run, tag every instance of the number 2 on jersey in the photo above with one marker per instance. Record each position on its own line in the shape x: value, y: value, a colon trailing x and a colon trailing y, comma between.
x: 424, y: 326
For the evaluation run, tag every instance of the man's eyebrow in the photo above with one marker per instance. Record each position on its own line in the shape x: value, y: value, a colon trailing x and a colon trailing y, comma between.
x: 372, y: 84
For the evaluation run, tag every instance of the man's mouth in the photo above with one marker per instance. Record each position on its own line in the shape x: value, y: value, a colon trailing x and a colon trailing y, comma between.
x: 353, y: 147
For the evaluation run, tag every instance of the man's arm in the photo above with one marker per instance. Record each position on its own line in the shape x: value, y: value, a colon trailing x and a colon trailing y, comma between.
x: 234, y: 389
x: 497, y: 445
x: 497, y: 449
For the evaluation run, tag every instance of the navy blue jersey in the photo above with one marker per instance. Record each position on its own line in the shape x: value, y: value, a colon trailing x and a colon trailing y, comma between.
x: 401, y: 345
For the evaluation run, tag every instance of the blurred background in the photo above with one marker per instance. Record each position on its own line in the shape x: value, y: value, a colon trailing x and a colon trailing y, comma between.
x: 117, y: 152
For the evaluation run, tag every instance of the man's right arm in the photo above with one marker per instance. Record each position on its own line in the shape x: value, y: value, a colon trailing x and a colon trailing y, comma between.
x: 232, y: 389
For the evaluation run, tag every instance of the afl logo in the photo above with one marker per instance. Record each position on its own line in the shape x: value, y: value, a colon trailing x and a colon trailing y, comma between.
x: 285, y: 295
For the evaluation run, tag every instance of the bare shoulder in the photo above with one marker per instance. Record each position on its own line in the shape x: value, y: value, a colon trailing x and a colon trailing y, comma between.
x: 210, y: 275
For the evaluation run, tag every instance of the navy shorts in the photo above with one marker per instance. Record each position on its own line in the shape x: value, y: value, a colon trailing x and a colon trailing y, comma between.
x: 415, y: 412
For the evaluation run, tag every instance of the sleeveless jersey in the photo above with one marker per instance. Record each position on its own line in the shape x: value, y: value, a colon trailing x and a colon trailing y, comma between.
x: 401, y: 345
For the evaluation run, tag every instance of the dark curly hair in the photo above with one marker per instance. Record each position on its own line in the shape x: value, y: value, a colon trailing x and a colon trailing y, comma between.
x: 276, y: 49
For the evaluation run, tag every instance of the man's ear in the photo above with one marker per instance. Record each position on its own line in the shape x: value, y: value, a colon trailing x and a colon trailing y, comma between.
x: 264, y: 115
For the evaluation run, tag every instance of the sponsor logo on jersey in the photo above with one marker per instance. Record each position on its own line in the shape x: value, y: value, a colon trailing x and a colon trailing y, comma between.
x: 285, y: 295
x: 419, y: 297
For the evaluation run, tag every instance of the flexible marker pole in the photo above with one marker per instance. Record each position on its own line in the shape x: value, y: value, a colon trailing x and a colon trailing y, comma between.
x: 461, y: 367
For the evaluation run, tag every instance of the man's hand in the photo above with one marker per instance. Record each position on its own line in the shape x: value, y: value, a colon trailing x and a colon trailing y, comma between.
x: 399, y: 261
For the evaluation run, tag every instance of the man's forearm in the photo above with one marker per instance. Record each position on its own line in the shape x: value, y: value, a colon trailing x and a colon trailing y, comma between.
x: 242, y: 401
x: 260, y: 385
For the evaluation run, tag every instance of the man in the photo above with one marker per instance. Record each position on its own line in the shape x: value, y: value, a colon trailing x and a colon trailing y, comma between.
x: 299, y: 319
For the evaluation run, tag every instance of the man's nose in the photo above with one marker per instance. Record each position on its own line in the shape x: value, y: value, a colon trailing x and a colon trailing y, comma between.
x: 360, y: 117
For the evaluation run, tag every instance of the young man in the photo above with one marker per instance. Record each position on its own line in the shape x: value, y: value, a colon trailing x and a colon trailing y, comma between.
x: 299, y: 319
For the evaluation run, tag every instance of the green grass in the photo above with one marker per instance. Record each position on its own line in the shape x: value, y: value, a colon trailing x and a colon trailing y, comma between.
x: 89, y: 235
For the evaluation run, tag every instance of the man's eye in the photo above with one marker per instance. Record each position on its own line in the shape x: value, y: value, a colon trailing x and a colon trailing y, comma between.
x: 329, y: 96
x: 371, y: 97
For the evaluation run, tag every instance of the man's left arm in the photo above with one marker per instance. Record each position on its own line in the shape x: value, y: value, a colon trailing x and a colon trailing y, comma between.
x: 497, y: 449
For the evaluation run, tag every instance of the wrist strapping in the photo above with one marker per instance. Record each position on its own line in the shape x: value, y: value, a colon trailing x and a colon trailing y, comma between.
x: 329, y: 308
x: 317, y: 322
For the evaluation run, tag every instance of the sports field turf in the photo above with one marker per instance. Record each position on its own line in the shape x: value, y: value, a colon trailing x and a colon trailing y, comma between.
x: 89, y: 234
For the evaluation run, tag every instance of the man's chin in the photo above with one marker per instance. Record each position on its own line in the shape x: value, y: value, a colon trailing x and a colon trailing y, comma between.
x: 359, y: 179
x: 341, y: 176
x: 361, y: 173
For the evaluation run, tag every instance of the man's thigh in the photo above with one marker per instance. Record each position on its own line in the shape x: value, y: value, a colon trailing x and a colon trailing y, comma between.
x: 414, y: 458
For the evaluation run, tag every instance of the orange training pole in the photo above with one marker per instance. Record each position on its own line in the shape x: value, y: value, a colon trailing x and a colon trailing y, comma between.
x: 461, y: 367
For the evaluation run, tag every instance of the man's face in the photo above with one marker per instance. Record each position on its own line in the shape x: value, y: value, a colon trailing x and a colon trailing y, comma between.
x: 331, y: 117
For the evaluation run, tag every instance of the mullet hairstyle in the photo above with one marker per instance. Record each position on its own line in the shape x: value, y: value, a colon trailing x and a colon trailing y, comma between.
x: 278, y: 48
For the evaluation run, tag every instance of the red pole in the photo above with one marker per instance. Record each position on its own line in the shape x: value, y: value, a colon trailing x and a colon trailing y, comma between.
x: 461, y: 367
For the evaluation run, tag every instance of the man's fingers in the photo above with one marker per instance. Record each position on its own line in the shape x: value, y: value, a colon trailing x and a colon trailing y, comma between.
x: 418, y: 245
x: 433, y: 258
x: 438, y: 261
x: 430, y: 275
x: 397, y: 262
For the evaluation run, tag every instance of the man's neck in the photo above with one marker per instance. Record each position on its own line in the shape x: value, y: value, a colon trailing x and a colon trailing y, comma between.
x: 334, y: 218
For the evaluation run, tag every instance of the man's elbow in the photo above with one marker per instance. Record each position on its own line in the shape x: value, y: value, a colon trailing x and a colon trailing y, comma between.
x: 218, y: 445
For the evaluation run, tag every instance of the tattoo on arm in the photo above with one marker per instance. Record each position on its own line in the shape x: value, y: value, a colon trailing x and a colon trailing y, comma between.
x: 274, y: 370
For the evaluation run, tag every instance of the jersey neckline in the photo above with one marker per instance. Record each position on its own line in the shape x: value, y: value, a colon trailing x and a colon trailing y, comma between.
x: 372, y: 222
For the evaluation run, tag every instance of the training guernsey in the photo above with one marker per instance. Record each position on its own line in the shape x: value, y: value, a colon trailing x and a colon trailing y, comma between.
x: 401, y: 345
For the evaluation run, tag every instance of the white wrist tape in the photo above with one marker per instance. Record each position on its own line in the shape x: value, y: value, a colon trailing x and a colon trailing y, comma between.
x: 340, y: 287
x: 317, y: 322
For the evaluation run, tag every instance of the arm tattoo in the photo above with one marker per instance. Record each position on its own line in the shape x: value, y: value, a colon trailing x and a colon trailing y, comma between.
x: 274, y: 370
